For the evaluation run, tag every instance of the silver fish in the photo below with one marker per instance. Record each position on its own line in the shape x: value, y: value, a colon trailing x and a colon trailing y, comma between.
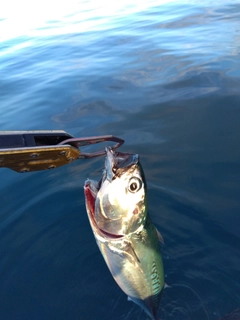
x: 126, y: 237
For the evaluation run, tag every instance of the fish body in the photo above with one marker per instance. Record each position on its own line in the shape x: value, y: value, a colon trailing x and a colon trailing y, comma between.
x: 126, y: 237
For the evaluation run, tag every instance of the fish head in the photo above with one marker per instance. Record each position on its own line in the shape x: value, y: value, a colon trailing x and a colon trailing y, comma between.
x: 117, y: 204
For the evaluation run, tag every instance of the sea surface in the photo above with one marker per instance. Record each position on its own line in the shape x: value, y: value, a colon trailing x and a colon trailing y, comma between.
x: 165, y: 77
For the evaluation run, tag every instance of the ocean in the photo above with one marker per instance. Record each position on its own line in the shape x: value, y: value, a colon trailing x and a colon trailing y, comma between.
x: 165, y: 77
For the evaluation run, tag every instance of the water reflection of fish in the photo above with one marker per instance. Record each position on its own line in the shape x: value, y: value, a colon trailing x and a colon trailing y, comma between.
x: 127, y: 239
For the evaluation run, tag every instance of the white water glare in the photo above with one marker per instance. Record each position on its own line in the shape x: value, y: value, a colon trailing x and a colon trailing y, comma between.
x: 33, y: 18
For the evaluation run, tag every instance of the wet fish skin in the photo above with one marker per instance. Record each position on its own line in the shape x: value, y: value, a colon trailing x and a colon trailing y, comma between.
x: 125, y: 233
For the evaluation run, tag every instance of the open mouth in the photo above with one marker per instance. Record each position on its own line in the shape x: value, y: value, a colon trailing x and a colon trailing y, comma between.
x: 90, y: 191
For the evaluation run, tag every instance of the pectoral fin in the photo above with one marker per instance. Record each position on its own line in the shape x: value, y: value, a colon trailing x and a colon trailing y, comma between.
x: 132, y: 256
x: 127, y: 252
x: 160, y: 237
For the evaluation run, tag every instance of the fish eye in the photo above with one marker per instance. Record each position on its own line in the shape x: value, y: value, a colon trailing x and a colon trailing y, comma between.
x: 135, y: 184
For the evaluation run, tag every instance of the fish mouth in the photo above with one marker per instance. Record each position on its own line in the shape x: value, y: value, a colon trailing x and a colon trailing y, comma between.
x: 116, y: 163
x: 91, y: 189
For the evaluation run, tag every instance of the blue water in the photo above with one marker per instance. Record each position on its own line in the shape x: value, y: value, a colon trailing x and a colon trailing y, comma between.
x: 164, y: 76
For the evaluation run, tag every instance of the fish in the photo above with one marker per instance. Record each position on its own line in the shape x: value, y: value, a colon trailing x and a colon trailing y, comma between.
x: 118, y: 214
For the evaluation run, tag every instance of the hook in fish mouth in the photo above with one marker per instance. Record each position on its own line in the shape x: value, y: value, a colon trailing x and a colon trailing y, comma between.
x: 117, y: 162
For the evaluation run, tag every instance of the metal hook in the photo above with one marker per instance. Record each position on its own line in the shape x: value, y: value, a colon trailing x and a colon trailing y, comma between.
x: 80, y: 142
